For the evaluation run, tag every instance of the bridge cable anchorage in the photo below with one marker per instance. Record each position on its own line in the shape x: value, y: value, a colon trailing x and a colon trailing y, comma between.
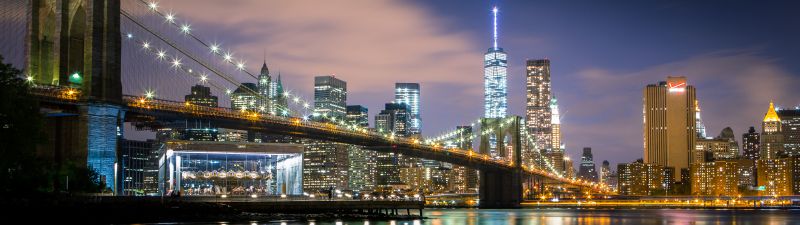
x: 153, y: 7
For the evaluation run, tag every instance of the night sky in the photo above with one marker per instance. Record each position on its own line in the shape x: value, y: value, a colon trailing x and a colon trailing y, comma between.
x: 738, y: 54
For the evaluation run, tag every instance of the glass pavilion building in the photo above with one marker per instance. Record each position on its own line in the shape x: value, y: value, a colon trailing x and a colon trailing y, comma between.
x: 204, y: 168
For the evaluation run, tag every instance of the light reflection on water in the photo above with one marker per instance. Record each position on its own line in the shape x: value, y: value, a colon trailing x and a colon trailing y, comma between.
x: 585, y: 216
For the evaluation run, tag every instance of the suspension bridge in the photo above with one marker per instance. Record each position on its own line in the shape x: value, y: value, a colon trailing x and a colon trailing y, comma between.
x: 116, y: 62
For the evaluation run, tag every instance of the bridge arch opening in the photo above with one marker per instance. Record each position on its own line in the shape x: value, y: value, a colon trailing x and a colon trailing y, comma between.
x: 76, y: 53
x: 44, y: 70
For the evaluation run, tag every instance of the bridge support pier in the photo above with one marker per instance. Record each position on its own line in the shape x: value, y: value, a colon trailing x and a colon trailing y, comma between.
x: 500, y: 189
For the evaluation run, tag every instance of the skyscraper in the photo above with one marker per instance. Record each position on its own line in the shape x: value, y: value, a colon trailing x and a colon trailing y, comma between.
x: 201, y: 95
x: 669, y: 123
x: 326, y: 164
x: 539, y: 110
x: 605, y: 172
x: 132, y: 160
x: 330, y: 97
x: 408, y: 93
x: 265, y: 90
x: 270, y: 91
x: 495, y: 65
x: 751, y: 144
x: 790, y: 126
x: 587, y: 169
x: 362, y: 162
x: 556, y: 151
x: 555, y: 121
x: 569, y: 168
x: 393, y: 120
x: 280, y: 101
x: 245, y: 97
x: 358, y: 115
x: 771, y: 134
x: 701, y: 128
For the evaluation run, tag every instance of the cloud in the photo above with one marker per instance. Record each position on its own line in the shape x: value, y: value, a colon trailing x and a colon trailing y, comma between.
x: 370, y: 44
x: 734, y: 88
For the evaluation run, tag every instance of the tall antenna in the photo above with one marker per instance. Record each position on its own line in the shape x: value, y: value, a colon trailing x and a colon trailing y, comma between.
x: 494, y: 12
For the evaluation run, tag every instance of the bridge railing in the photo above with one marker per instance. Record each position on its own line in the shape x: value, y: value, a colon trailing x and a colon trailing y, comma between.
x: 56, y: 93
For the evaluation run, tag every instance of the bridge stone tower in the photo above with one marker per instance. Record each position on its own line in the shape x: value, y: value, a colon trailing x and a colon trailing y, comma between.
x: 502, y: 189
x: 76, y: 44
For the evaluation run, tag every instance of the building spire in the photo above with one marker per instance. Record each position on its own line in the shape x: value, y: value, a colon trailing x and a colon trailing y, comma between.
x: 494, y: 28
x: 771, y: 115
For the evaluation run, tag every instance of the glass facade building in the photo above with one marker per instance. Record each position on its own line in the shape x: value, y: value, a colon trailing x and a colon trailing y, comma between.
x: 245, y: 97
x: 495, y: 67
x: 408, y: 93
x: 214, y: 168
x: 330, y: 97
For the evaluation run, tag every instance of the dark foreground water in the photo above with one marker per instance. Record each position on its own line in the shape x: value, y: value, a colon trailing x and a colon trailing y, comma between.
x: 582, y: 216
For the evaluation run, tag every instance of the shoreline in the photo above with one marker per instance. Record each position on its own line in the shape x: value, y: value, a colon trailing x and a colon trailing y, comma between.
x: 87, y: 209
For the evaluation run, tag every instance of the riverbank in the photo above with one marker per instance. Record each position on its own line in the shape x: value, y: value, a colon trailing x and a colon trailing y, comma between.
x: 105, y: 209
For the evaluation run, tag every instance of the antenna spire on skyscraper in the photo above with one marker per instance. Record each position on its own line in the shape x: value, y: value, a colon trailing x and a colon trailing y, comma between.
x: 494, y: 13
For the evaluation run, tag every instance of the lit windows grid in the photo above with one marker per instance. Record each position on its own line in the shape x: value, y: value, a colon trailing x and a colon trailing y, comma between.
x: 495, y: 88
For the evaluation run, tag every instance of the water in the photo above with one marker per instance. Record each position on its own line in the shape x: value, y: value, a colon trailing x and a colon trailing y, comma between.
x: 585, y: 216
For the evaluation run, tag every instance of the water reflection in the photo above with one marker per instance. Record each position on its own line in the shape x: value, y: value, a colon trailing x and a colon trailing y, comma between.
x: 582, y: 216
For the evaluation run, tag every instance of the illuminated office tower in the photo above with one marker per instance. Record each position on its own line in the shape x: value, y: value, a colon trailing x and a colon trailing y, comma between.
x: 771, y: 134
x: 495, y: 65
x: 587, y: 169
x: 790, y: 127
x: 362, y: 162
x: 330, y: 97
x: 245, y: 97
x: 393, y: 120
x: 326, y: 164
x: 556, y: 152
x: 279, y: 100
x: 569, y: 168
x: 701, y: 128
x: 539, y: 110
x: 605, y: 172
x: 669, y: 123
x: 751, y: 142
x: 408, y: 93
x: 201, y: 95
x: 265, y: 90
x: 132, y: 174
x: 555, y: 139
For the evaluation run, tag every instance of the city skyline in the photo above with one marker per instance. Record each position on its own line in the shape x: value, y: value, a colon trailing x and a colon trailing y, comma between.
x: 119, y: 105
x: 613, y: 65
x: 577, y: 72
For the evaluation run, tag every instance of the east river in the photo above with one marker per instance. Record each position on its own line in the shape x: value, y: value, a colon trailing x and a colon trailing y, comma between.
x: 579, y: 216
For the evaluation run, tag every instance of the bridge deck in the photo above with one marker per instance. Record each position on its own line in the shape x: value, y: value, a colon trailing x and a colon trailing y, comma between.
x: 139, y: 108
